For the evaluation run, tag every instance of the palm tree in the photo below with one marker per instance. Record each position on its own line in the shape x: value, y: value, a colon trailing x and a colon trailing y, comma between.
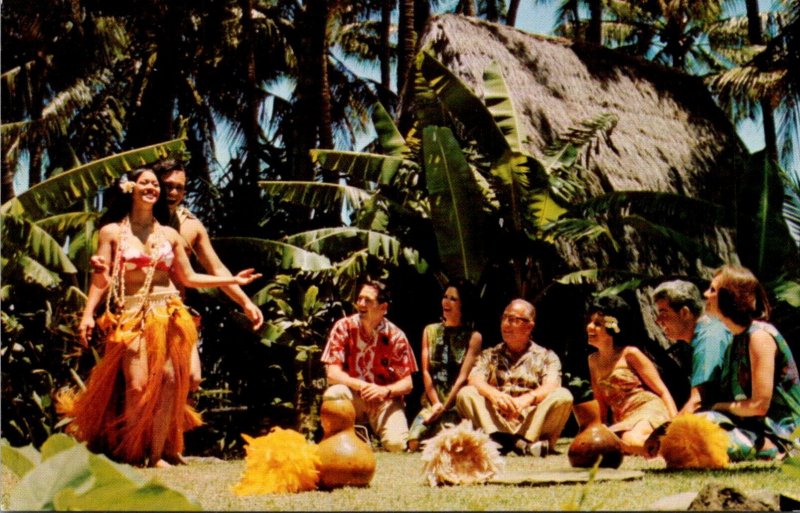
x: 570, y: 24
x: 671, y: 33
x: 57, y: 87
x: 770, y: 79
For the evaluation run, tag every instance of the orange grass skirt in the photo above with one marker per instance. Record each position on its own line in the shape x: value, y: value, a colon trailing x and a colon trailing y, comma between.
x: 100, y: 415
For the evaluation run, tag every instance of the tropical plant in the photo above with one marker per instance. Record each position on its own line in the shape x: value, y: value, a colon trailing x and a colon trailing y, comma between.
x: 64, y: 475
x: 58, y: 88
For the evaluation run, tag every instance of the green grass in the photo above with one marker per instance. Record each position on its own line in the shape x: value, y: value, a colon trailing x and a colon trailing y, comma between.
x: 399, y: 485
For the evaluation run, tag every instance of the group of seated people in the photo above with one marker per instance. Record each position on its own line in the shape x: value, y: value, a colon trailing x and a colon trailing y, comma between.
x: 743, y: 375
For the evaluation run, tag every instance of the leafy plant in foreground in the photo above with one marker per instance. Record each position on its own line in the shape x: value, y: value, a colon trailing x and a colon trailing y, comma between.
x: 65, y: 475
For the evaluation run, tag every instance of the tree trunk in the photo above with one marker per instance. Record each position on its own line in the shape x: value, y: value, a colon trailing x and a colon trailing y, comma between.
x: 248, y: 190
x: 467, y: 7
x: 511, y: 15
x: 309, y: 118
x: 407, y: 41
x: 422, y: 11
x: 492, y: 13
x: 151, y: 122
x: 385, y: 92
x: 756, y: 37
x: 7, y: 191
x: 594, y: 34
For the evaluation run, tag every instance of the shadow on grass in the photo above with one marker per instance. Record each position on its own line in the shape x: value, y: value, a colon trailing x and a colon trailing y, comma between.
x: 720, y: 473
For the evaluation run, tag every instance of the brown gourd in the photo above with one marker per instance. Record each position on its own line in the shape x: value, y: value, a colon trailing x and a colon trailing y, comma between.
x: 594, y: 440
x: 345, y: 460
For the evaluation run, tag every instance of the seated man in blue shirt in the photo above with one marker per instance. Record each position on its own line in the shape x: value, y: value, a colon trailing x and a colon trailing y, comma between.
x: 681, y: 317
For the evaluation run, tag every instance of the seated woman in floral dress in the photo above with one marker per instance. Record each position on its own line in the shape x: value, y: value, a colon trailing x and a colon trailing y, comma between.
x: 760, y: 406
x: 449, y: 350
x: 623, y: 378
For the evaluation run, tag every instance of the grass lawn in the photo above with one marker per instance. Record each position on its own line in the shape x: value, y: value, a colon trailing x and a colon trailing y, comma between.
x: 400, y: 485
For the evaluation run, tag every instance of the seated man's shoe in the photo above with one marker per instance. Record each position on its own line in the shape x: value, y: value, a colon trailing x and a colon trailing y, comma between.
x: 539, y: 449
x: 525, y: 448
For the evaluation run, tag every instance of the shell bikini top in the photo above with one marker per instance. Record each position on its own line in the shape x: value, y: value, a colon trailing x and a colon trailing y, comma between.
x: 133, y: 258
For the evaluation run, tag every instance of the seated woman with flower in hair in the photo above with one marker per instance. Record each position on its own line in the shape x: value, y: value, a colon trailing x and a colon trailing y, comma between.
x: 623, y: 378
x: 760, y: 406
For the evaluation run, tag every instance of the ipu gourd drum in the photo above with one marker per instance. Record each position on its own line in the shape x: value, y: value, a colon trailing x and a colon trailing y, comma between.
x: 346, y: 460
x: 594, y: 439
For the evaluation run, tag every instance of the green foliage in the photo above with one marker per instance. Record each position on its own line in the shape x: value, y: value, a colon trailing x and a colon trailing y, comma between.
x: 61, y: 191
x: 765, y: 245
x: 453, y: 192
x: 67, y: 476
x: 300, y: 315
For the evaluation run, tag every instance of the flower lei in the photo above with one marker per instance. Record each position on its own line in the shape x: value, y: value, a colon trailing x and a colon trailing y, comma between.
x: 116, y: 293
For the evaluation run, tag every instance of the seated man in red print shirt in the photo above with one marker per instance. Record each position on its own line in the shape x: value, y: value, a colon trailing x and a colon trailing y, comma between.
x: 369, y: 361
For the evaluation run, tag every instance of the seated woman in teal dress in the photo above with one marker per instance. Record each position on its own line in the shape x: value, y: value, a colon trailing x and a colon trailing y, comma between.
x: 760, y: 395
x: 623, y: 378
x: 449, y: 350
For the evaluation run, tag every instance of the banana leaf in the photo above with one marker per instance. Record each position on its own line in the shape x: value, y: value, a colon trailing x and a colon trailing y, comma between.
x: 501, y: 106
x: 764, y: 244
x: 460, y: 101
x: 389, y: 136
x: 360, y: 167
x: 544, y: 209
x: 260, y: 250
x: 512, y: 169
x: 791, y: 205
x: 454, y: 198
x: 59, y: 192
x: 33, y: 241
x: 322, y: 196
x: 60, y: 226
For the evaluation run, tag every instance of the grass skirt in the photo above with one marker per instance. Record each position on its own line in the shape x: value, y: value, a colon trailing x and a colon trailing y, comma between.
x: 99, y: 414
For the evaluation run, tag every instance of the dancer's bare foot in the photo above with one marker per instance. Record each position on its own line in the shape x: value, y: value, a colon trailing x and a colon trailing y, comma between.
x: 160, y: 464
x: 175, y: 459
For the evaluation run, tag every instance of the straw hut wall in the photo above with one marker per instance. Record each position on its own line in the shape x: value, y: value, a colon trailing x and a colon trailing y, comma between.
x: 670, y: 136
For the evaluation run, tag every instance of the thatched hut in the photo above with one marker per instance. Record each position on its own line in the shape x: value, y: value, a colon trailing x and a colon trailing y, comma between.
x: 670, y: 137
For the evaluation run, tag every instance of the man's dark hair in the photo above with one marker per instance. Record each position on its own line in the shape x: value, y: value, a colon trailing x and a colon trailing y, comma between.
x: 383, y: 291
x: 164, y: 166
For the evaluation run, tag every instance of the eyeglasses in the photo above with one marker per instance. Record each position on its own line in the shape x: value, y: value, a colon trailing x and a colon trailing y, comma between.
x: 514, y: 320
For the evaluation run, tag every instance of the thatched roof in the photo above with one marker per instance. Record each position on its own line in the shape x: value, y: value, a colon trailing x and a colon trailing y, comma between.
x: 670, y: 137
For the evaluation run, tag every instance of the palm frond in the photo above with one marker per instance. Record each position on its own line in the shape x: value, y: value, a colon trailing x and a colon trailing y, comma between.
x: 579, y: 229
x: 670, y: 237
x: 684, y: 213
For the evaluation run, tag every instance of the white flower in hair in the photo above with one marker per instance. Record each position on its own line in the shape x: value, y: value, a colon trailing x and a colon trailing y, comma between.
x: 611, y: 323
x: 126, y: 185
